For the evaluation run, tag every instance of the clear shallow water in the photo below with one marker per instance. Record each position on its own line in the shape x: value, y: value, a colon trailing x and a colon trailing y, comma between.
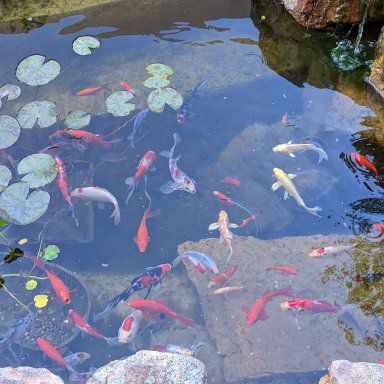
x: 260, y: 72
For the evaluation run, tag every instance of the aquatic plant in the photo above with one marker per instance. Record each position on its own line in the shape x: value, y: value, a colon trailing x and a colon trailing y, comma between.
x: 347, y: 57
x: 83, y: 45
x: 118, y: 103
x: 41, y: 113
x: 9, y: 131
x: 78, y: 119
x: 10, y: 91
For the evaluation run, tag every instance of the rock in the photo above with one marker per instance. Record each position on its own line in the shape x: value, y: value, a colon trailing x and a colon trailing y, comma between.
x: 345, y: 372
x: 150, y: 367
x: 377, y: 74
x: 28, y: 375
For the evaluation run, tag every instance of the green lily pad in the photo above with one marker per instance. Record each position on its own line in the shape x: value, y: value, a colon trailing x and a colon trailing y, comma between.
x: 20, y: 207
x: 83, y: 45
x: 5, y: 177
x: 30, y: 285
x: 33, y: 71
x: 156, y: 82
x: 42, y: 113
x: 118, y: 103
x: 40, y: 169
x: 159, y: 97
x: 3, y: 223
x: 9, y: 131
x: 158, y: 69
x: 11, y: 91
x: 51, y: 252
x: 77, y: 119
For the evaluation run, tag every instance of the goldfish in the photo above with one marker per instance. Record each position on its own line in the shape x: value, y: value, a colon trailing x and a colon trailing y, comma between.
x: 101, y: 196
x: 58, y: 133
x: 231, y: 181
x: 287, y: 270
x: 175, y: 349
x: 153, y: 309
x: 139, y: 119
x: 200, y: 260
x: 290, y: 148
x: 151, y: 277
x: 127, y: 87
x: 222, y: 277
x: 247, y: 221
x: 89, y: 138
x: 231, y: 201
x: 331, y: 250
x: 50, y: 351
x: 257, y: 311
x: 146, y: 164
x: 285, y: 180
x: 223, y: 225
x: 142, y: 238
x: 364, y: 162
x: 284, y: 119
x: 378, y: 227
x: 180, y: 181
x: 314, y: 306
x: 77, y: 358
x: 222, y: 290
x: 64, y: 188
x: 130, y: 327
x: 92, y: 90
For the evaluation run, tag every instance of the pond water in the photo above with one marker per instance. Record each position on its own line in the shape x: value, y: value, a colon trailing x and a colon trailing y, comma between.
x: 270, y: 81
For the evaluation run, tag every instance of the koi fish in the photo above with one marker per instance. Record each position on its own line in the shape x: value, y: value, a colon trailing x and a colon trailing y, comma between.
x: 77, y: 358
x: 151, y: 277
x: 89, y: 138
x: 287, y: 270
x: 130, y: 327
x: 378, y: 227
x: 146, y: 164
x: 231, y: 201
x: 180, y: 181
x: 127, y: 87
x: 142, y: 238
x: 231, y: 181
x: 153, y: 309
x: 58, y: 133
x: 56, y: 148
x: 364, y: 162
x: 284, y: 119
x: 257, y: 311
x: 101, y: 196
x: 290, y: 148
x: 17, y: 332
x: 50, y: 351
x: 223, y: 290
x: 223, y: 225
x: 222, y: 277
x: 290, y: 190
x: 247, y: 221
x: 139, y: 119
x: 178, y: 349
x: 64, y: 188
x: 200, y: 260
x: 331, y: 250
x: 314, y: 306
x: 92, y: 90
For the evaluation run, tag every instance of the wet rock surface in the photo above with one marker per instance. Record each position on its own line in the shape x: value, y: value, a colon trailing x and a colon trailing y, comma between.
x: 28, y: 375
x: 152, y: 367
x: 345, y: 372
x: 377, y: 74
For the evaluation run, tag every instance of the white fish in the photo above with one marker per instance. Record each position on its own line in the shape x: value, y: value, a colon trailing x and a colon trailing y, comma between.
x: 289, y: 148
x: 77, y: 358
x: 332, y: 250
x: 101, y: 196
x: 130, y: 327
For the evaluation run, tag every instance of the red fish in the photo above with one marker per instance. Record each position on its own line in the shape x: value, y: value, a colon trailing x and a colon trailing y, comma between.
x: 247, y: 221
x: 156, y: 309
x: 89, y: 138
x: 127, y: 87
x: 142, y: 238
x: 229, y: 201
x: 378, y: 227
x: 284, y: 119
x: 50, y: 351
x: 231, y: 181
x: 257, y: 311
x: 364, y: 162
x: 146, y: 163
x: 283, y: 268
x: 222, y: 277
x: 58, y: 133
x: 314, y: 306
x: 92, y: 90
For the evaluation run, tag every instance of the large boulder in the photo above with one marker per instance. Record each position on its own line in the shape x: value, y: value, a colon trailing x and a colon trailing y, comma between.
x: 152, y: 367
x: 28, y: 375
x: 345, y: 372
x: 377, y: 74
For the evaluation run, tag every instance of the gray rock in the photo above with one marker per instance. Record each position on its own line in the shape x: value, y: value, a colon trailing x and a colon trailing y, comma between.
x: 345, y: 372
x: 28, y: 375
x: 150, y: 367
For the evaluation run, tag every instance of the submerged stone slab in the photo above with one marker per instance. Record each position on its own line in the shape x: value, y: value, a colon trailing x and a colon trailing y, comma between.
x: 28, y: 375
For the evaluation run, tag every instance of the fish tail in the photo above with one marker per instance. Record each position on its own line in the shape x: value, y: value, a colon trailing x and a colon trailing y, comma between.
x: 116, y: 215
x: 185, y: 320
x: 229, y: 255
x: 322, y: 154
x: 112, y: 341
x: 38, y: 263
x: 176, y: 262
x: 73, y: 214
x: 130, y: 181
x: 314, y: 210
x: 70, y: 368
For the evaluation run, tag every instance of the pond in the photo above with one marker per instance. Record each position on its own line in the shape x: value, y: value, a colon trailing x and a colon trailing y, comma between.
x: 250, y: 79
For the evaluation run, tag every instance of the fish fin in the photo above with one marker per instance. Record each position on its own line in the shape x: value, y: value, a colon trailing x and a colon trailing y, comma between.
x: 291, y: 154
x: 291, y: 175
x: 100, y: 204
x: 322, y: 154
x: 116, y: 215
x: 264, y: 316
x: 185, y: 320
x: 290, y: 142
x: 132, y: 347
x: 314, y: 210
x: 135, y: 239
x: 168, y: 187
x: 286, y: 195
x: 131, y: 187
x: 112, y: 341
x: 177, y: 260
x: 275, y: 186
x: 154, y: 213
x: 229, y: 255
x: 245, y: 309
x: 233, y: 225
x: 165, y: 154
x: 213, y: 226
x: 176, y: 138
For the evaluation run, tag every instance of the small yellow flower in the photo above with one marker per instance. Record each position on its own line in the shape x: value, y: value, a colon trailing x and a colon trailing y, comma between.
x: 22, y: 241
x: 30, y: 285
x: 40, y: 301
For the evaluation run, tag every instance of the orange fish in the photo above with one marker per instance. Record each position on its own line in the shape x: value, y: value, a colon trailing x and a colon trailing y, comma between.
x: 89, y: 138
x: 92, y: 90
x: 284, y: 119
x: 247, y: 221
x: 378, y: 227
x: 364, y: 162
x: 283, y: 268
x: 231, y: 181
x: 221, y: 278
x: 127, y: 87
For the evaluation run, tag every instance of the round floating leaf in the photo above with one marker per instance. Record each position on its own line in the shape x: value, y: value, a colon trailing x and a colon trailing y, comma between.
x: 40, y: 301
x: 20, y: 207
x: 158, y: 69
x: 159, y: 97
x: 41, y: 112
x: 30, y: 285
x: 33, y: 71
x: 9, y: 131
x: 83, y: 45
x: 40, y: 169
x: 118, y: 103
x: 156, y: 82
x: 12, y: 92
x: 77, y: 119
x: 3, y: 223
x: 51, y: 252
x: 5, y: 177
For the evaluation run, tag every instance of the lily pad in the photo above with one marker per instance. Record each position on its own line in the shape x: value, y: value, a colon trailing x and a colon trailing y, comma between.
x: 51, y: 252
x: 158, y: 69
x: 22, y: 241
x: 159, y: 97
x: 20, y: 207
x: 40, y: 169
x: 11, y: 91
x: 118, y: 103
x: 34, y: 71
x: 77, y: 119
x: 3, y: 223
x: 83, y: 45
x: 40, y: 301
x: 5, y: 177
x: 156, y: 82
x: 42, y: 113
x: 9, y: 131
x: 30, y: 285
